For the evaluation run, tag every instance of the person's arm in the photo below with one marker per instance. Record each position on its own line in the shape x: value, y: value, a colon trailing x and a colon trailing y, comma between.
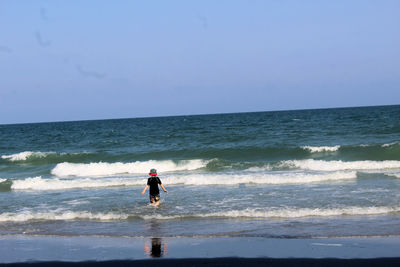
x: 145, y: 188
x: 163, y: 188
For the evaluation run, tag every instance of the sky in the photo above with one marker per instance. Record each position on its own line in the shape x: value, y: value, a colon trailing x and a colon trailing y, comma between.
x: 95, y: 59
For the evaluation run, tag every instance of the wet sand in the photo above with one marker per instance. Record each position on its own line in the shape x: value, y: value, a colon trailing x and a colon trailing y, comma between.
x: 118, y: 251
x: 387, y: 262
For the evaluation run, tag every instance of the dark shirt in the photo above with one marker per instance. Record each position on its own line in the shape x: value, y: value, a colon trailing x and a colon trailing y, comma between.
x: 153, y: 182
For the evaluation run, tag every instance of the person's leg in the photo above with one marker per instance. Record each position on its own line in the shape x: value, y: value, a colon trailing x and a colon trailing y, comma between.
x: 157, y: 200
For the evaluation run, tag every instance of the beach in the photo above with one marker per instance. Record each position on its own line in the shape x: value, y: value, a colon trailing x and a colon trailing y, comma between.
x: 200, y: 133
x: 307, y: 184
x: 31, y: 249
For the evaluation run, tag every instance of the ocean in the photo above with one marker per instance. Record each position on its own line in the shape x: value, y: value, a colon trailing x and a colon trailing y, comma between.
x: 285, y: 174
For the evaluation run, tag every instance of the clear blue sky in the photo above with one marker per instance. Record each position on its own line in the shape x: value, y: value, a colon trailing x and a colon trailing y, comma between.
x: 78, y: 60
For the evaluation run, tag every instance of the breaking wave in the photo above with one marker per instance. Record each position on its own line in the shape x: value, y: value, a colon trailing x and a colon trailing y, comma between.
x: 282, y: 178
x: 394, y: 174
x: 25, y: 155
x: 278, y: 178
x: 139, y: 167
x: 305, y: 212
x: 394, y: 144
x: 56, y: 216
x: 338, y: 165
x: 43, y: 158
x: 284, y: 213
x: 319, y: 149
x: 38, y: 183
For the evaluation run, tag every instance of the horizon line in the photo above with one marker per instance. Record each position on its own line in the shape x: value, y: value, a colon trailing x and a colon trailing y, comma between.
x: 197, y: 114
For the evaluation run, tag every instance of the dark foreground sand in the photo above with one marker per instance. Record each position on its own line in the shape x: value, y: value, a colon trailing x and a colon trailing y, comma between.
x: 24, y: 250
x: 381, y: 262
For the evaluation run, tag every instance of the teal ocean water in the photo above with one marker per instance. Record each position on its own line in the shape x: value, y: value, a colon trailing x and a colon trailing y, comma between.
x: 306, y: 173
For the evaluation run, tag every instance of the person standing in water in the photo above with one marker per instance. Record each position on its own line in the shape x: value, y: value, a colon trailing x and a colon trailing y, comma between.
x: 154, y: 192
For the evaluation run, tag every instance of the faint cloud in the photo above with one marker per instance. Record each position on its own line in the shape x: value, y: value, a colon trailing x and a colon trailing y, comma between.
x: 43, y: 14
x: 203, y: 20
x: 88, y: 73
x: 5, y: 49
x: 41, y: 41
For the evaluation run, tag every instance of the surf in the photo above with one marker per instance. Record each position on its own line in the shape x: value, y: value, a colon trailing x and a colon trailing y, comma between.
x: 206, y: 179
x: 138, y: 167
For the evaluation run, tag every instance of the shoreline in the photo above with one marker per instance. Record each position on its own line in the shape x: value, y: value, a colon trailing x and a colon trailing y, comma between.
x: 387, y: 262
x: 24, y: 249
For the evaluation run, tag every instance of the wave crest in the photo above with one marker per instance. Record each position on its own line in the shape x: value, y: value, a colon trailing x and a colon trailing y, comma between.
x: 38, y: 183
x: 391, y: 144
x: 56, y: 216
x: 284, y: 213
x: 319, y: 149
x: 25, y: 155
x: 338, y: 165
x: 394, y: 174
x: 306, y: 212
x: 263, y: 178
x: 139, y: 167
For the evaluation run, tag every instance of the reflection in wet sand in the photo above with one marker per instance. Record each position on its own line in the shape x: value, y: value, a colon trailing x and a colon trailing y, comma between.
x: 157, y: 250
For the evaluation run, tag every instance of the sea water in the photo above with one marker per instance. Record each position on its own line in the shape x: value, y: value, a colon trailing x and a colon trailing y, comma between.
x: 288, y: 174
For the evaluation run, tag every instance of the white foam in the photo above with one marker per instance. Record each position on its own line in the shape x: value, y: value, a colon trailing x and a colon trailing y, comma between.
x: 305, y: 212
x: 162, y: 217
x: 285, y: 213
x: 38, y: 183
x: 139, y: 167
x: 319, y: 149
x: 395, y: 174
x: 364, y: 145
x: 2, y: 180
x: 327, y: 244
x: 264, y: 168
x: 67, y: 215
x: 260, y: 178
x: 76, y: 202
x: 25, y: 155
x: 338, y: 165
x: 391, y: 144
